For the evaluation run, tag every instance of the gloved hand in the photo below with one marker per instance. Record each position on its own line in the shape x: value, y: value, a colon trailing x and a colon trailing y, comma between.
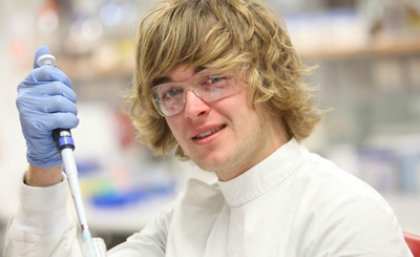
x: 45, y: 102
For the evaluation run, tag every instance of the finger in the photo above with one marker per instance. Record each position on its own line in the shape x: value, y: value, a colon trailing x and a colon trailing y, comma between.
x: 33, y: 106
x: 42, y: 50
x: 56, y: 104
x: 50, y: 89
x: 52, y: 121
x: 63, y: 121
x: 39, y: 125
x: 46, y: 73
x: 45, y: 105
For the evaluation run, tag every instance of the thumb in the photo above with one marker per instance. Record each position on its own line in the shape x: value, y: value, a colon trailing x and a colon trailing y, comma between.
x: 42, y: 50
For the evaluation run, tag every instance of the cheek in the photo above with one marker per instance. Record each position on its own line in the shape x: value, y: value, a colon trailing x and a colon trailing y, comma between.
x: 176, y: 127
x: 241, y: 109
x: 237, y: 104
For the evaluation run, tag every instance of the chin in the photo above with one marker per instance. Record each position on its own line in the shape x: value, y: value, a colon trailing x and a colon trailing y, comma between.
x: 206, y: 166
x: 207, y: 163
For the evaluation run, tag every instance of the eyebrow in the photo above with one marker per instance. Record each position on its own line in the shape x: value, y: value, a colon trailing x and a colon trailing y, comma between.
x: 166, y: 79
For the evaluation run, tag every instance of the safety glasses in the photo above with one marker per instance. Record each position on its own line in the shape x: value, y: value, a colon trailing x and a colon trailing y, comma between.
x: 210, y: 86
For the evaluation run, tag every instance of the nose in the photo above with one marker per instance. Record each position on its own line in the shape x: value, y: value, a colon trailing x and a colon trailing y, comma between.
x: 194, y: 105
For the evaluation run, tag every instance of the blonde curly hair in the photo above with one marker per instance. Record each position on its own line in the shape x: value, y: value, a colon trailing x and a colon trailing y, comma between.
x: 219, y: 34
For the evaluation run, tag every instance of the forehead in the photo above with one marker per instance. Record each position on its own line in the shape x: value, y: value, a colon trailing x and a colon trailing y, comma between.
x: 181, y: 72
x: 178, y: 73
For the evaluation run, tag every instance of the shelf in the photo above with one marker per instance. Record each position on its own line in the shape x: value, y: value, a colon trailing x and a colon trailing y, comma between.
x: 91, y: 69
x: 379, y: 47
x: 125, y: 220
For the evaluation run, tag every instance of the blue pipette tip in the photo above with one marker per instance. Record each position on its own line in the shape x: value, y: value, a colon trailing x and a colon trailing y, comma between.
x: 86, y: 235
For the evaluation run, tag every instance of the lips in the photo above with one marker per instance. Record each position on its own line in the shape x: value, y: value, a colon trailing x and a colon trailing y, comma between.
x: 208, y: 133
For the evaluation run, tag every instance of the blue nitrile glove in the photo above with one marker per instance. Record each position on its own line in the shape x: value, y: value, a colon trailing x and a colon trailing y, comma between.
x: 45, y: 102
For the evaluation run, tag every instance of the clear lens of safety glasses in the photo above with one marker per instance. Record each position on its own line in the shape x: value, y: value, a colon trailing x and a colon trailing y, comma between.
x: 169, y: 98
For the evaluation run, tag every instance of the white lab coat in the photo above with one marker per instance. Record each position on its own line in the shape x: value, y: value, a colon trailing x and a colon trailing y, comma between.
x: 292, y: 204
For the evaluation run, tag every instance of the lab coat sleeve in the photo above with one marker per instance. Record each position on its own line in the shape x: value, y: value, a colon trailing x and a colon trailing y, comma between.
x: 150, y: 241
x: 42, y: 226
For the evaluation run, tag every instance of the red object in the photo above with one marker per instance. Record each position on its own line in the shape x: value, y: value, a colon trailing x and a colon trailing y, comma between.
x: 413, y: 242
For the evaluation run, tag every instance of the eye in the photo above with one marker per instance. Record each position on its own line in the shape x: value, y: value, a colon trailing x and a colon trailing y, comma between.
x: 213, y: 82
x: 171, y: 92
x: 215, y: 79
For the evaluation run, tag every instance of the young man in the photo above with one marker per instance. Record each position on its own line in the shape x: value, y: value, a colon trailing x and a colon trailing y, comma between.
x: 219, y: 82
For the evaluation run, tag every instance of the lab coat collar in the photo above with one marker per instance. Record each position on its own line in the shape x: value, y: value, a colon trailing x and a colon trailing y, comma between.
x: 199, y: 200
x: 264, y: 176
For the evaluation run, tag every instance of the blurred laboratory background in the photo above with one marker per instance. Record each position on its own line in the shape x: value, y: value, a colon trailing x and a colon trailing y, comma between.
x: 366, y: 56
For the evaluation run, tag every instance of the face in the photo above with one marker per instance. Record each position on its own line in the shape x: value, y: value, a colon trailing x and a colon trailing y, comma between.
x: 226, y: 136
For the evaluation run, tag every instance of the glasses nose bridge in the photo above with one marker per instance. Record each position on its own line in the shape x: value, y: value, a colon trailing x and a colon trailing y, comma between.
x: 192, y: 85
x: 194, y: 91
x: 194, y: 105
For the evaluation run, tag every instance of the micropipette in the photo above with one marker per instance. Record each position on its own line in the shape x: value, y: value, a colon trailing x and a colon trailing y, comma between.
x: 66, y: 146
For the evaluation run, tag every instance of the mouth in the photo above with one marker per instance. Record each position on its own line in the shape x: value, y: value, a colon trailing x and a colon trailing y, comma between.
x: 208, y: 133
